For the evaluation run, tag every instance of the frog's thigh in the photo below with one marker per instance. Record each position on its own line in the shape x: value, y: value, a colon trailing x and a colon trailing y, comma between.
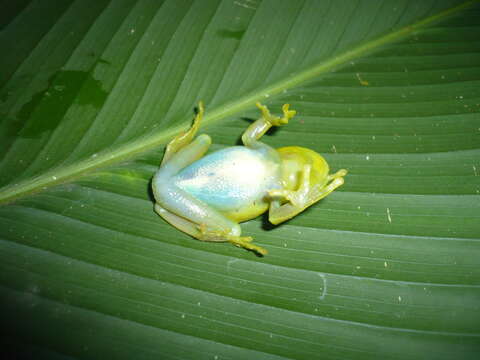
x: 184, y: 157
x: 204, y: 218
x: 194, y: 230
x: 180, y: 223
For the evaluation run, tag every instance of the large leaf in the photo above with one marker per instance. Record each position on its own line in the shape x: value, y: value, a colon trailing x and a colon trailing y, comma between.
x: 386, y: 267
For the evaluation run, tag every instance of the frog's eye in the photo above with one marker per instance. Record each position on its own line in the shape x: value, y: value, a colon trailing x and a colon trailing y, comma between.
x: 293, y: 160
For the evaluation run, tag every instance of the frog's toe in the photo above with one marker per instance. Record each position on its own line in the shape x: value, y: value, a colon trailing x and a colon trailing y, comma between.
x: 339, y: 174
x: 276, y: 120
x: 319, y: 192
x: 222, y: 236
x: 246, y: 243
x: 287, y: 114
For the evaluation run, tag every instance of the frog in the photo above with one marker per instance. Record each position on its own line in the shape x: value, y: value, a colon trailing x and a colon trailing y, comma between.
x: 207, y: 196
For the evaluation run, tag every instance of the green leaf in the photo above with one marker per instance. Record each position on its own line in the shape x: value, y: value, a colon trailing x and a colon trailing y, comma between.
x: 386, y: 267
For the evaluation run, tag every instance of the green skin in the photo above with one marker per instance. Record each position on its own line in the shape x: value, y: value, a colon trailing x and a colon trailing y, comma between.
x: 283, y: 181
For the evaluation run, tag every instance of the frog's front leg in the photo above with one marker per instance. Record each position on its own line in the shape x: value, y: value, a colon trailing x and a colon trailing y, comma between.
x: 256, y: 130
x: 298, y: 200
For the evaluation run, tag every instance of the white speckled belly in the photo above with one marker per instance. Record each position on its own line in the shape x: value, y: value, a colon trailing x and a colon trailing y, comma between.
x: 233, y: 180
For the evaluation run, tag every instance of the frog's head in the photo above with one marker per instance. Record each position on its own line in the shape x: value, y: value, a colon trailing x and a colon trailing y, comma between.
x: 293, y: 160
x: 298, y: 192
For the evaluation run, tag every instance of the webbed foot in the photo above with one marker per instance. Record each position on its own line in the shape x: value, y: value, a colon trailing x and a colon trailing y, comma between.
x: 223, y: 236
x: 275, y: 120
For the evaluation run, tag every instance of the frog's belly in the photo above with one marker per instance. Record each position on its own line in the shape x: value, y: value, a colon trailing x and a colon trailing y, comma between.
x: 234, y: 180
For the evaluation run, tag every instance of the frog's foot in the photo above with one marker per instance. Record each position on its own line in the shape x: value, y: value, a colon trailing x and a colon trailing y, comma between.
x: 246, y: 243
x: 223, y: 236
x: 184, y: 138
x: 275, y: 120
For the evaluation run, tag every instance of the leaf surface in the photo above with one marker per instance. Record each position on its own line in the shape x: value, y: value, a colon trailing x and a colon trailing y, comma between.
x: 387, y: 266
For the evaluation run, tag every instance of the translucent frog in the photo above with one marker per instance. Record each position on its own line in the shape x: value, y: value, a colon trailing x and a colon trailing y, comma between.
x: 208, y: 196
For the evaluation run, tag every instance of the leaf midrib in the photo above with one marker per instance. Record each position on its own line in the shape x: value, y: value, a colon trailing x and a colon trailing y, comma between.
x: 108, y: 157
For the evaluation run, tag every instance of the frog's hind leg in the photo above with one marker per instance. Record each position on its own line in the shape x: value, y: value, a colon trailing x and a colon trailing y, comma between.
x: 197, y: 219
x: 180, y: 223
x: 202, y: 233
x: 184, y: 138
x: 182, y: 158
